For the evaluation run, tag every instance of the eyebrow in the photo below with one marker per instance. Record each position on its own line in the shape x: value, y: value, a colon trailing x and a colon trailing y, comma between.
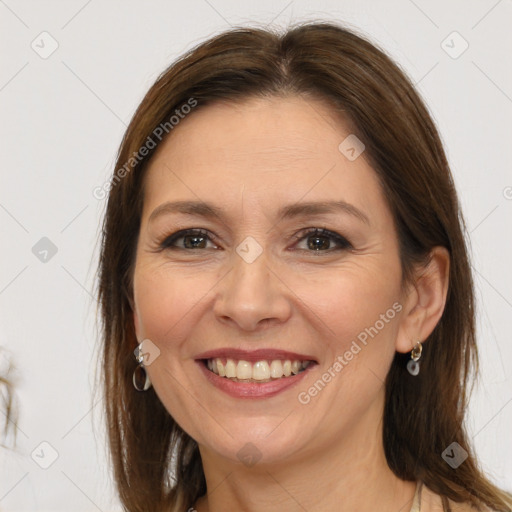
x: 319, y: 208
x: 302, y: 209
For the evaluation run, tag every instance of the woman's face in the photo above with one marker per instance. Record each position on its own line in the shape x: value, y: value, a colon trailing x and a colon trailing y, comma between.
x: 293, y: 256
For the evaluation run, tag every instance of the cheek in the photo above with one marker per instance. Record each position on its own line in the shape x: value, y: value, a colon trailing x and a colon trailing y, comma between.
x: 169, y: 305
x: 168, y: 302
x: 355, y: 314
x: 349, y: 300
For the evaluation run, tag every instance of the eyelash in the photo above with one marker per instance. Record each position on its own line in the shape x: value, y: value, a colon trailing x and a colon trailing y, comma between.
x: 343, y: 243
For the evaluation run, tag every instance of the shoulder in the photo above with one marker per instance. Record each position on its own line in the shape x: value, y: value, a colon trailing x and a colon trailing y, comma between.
x: 431, y: 502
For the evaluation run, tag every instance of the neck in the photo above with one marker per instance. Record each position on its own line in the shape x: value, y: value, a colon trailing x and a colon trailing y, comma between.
x: 346, y: 475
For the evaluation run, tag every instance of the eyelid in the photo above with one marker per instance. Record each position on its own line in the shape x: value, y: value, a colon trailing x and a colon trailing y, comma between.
x: 168, y: 240
x: 342, y: 241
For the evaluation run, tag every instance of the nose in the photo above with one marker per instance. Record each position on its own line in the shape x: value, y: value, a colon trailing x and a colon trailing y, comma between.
x: 252, y: 297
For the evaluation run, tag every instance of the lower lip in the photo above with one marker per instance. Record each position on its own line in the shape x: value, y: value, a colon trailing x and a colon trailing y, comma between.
x: 252, y: 389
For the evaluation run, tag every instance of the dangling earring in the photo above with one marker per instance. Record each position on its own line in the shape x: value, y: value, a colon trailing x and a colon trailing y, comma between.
x: 413, y: 366
x: 140, y: 377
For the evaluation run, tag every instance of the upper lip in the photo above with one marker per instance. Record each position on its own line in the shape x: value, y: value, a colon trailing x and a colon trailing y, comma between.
x: 262, y: 354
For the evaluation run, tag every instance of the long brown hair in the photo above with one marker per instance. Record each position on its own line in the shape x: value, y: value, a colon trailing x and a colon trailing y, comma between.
x: 424, y: 414
x: 8, y: 416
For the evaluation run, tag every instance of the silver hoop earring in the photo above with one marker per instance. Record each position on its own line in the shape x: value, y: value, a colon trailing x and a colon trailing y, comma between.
x: 413, y: 366
x: 140, y: 377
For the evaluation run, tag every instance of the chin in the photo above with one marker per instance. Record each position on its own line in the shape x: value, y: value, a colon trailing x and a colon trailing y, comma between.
x: 261, y: 440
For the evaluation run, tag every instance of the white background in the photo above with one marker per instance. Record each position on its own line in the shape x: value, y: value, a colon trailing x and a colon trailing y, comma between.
x: 62, y: 119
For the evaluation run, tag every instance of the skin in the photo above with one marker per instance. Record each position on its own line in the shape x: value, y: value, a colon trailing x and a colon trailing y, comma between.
x: 250, y: 159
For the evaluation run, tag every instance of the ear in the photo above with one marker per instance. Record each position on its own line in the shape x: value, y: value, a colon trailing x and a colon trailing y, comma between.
x: 135, y: 316
x: 424, y: 301
x: 136, y: 323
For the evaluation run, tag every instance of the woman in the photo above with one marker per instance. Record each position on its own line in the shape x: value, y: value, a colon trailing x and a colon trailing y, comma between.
x: 282, y: 253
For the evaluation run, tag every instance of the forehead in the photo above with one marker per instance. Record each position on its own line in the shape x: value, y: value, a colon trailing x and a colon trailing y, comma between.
x: 268, y: 150
x: 269, y: 129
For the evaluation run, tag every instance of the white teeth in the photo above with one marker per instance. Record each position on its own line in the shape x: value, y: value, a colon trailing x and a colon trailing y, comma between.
x: 243, y: 370
x: 230, y: 369
x: 276, y: 369
x: 262, y: 371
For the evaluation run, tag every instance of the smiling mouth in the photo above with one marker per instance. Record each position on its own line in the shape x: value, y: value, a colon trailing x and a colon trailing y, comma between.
x: 258, y: 371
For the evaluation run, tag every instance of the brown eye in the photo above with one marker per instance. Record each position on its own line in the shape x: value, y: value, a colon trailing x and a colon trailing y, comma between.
x: 187, y: 239
x: 195, y: 241
x: 322, y: 240
x: 317, y: 243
